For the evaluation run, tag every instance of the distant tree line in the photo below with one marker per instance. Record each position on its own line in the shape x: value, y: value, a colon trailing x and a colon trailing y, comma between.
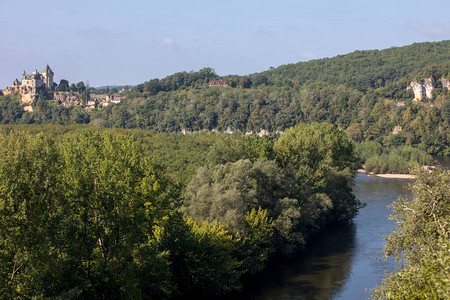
x: 363, y: 93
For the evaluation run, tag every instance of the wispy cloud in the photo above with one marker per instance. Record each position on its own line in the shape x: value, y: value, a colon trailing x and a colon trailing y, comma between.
x: 307, y: 55
x: 429, y: 30
x: 169, y: 43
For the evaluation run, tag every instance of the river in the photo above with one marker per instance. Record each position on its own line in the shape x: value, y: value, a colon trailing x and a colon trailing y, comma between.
x: 342, y: 262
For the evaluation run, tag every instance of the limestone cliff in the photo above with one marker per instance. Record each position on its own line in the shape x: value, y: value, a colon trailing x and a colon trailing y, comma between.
x: 424, y: 89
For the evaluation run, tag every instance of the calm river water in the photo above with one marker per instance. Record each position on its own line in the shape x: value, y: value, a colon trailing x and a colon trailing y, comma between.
x: 344, y: 261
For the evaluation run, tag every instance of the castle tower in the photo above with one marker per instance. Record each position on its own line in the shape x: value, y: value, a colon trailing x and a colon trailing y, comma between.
x: 47, y: 75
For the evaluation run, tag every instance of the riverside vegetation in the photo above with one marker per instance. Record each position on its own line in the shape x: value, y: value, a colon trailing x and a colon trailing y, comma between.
x: 420, y: 242
x: 92, y: 214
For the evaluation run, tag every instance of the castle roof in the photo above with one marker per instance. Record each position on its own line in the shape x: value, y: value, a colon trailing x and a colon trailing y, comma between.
x: 47, y: 70
x: 31, y: 76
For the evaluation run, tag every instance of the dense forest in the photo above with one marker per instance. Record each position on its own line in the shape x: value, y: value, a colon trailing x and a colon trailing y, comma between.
x: 93, y: 214
x: 364, y: 93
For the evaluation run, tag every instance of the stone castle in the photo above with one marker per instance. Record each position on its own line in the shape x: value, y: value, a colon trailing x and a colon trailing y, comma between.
x: 31, y: 82
x: 30, y: 85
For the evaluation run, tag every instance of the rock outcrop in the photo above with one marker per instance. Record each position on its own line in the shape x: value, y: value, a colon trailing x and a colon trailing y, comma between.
x: 68, y: 98
x: 425, y: 88
x: 445, y: 83
x: 418, y: 90
x: 428, y: 85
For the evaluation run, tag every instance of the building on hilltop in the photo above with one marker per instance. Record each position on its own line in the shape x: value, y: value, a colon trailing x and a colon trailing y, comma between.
x: 32, y: 82
x: 29, y: 87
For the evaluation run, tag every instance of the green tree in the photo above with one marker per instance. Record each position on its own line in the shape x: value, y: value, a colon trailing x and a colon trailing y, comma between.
x: 29, y: 168
x: 420, y: 242
x: 81, y: 87
x: 63, y: 85
x: 257, y: 245
x: 201, y: 256
x: 114, y: 195
x: 322, y: 161
x: 79, y: 217
x: 227, y: 193
x: 312, y: 151
x: 73, y: 88
x: 245, y: 82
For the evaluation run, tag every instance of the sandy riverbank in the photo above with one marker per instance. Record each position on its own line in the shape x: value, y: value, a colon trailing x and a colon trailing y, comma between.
x: 396, y: 176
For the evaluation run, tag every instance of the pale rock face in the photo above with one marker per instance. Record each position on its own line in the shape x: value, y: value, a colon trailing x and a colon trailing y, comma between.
x: 263, y: 132
x: 26, y: 99
x: 425, y: 89
x: 429, y: 86
x: 445, y: 83
x: 397, y: 129
x: 418, y: 90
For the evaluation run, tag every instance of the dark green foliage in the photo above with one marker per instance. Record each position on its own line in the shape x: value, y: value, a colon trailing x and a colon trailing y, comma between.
x: 201, y: 256
x: 90, y: 214
x: 177, y: 81
x: 75, y: 215
x: 366, y: 69
x: 304, y: 181
x: 312, y: 152
x: 350, y: 91
x: 63, y: 86
x: 10, y: 110
x: 227, y: 192
x: 323, y: 163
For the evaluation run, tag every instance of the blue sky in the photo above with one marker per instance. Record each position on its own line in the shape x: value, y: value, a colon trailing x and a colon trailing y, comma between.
x: 129, y: 42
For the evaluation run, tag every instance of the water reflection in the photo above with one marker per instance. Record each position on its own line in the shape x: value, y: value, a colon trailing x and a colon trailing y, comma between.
x: 343, y: 262
x: 314, y: 274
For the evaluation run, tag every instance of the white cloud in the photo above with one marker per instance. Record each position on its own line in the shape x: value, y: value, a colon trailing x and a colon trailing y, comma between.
x: 429, y: 30
x: 169, y: 43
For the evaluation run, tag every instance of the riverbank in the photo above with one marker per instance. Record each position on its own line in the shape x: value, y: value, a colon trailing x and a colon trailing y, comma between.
x: 394, y: 176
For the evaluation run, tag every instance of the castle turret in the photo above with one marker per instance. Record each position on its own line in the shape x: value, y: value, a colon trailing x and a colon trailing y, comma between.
x: 47, y: 75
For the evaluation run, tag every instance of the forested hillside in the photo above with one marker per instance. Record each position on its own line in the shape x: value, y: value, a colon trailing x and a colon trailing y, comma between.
x: 364, y: 93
